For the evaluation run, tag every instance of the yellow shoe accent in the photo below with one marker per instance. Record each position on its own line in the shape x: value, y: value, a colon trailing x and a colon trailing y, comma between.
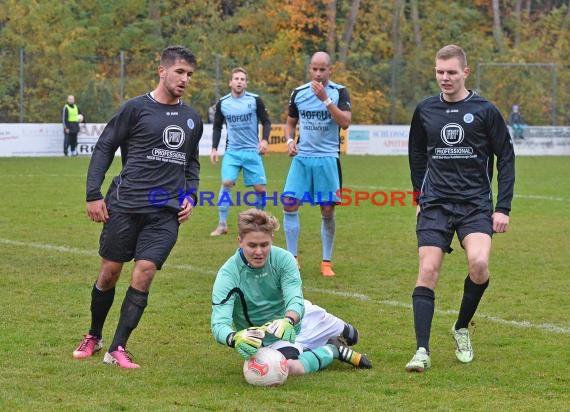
x: 326, y: 269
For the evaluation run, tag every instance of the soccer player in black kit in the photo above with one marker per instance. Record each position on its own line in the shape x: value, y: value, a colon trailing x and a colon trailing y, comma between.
x: 154, y: 193
x: 454, y: 138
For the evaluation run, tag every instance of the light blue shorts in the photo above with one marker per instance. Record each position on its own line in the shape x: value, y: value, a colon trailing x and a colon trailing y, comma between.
x: 247, y: 160
x: 314, y: 178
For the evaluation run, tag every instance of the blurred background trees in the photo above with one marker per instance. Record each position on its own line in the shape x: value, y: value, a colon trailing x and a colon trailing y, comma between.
x: 107, y: 51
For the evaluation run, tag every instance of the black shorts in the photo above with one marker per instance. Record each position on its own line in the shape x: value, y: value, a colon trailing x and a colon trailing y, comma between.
x: 436, y: 224
x: 142, y: 236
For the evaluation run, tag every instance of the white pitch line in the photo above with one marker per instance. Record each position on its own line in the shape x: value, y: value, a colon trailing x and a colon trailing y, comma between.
x: 349, y: 295
x: 516, y: 323
x: 192, y: 268
x: 46, y: 246
x: 537, y: 197
x: 83, y: 252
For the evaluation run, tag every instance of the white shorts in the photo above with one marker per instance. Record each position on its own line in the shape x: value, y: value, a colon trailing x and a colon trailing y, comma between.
x: 317, y: 327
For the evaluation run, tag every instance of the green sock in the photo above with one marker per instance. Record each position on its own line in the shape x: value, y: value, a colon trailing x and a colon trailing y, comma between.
x: 334, y: 350
x: 318, y: 359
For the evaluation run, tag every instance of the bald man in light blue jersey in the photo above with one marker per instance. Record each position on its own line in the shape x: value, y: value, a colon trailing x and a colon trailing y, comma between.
x: 320, y: 108
x: 242, y: 112
x: 257, y: 300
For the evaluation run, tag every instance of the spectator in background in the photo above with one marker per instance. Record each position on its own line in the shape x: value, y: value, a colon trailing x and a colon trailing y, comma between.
x: 516, y: 122
x: 71, y: 117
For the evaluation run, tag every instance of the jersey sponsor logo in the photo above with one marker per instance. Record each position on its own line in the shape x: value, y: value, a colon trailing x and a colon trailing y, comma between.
x: 234, y: 118
x: 452, y: 134
x: 173, y: 137
x: 468, y: 118
x: 168, y: 154
x: 315, y: 114
x: 190, y: 124
x: 453, y: 151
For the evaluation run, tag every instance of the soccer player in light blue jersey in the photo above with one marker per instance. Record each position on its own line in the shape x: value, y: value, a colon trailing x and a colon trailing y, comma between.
x: 242, y: 112
x: 320, y: 108
x: 257, y: 300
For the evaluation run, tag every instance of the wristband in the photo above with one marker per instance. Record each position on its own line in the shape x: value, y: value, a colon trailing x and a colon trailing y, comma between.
x: 328, y: 101
x: 289, y: 140
x: 230, y: 340
x: 290, y: 319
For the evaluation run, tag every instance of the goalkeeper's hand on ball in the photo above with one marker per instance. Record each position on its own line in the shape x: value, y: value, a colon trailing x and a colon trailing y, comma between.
x: 282, y: 329
x: 247, y: 341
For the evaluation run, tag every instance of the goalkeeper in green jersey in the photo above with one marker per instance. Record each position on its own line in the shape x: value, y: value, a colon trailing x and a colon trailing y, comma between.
x: 257, y: 300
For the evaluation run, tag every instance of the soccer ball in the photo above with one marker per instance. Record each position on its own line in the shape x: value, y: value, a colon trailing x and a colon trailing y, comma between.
x: 80, y: 118
x: 268, y: 367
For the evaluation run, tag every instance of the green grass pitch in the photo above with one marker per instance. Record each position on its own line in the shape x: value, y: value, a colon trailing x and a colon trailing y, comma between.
x: 48, y: 251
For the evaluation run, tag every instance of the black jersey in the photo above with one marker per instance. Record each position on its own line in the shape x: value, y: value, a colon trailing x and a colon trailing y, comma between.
x: 452, y: 146
x: 159, y: 151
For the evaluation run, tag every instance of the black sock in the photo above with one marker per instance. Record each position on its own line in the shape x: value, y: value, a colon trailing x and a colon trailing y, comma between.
x: 472, y: 294
x: 350, y: 334
x: 131, y: 313
x: 101, y: 303
x: 423, y: 302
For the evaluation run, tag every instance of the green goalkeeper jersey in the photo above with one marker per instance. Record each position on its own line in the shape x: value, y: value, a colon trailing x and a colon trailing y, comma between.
x: 244, y: 296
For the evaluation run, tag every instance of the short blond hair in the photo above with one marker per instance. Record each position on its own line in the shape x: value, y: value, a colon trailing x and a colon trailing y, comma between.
x: 255, y: 220
x: 238, y: 70
x: 452, y: 51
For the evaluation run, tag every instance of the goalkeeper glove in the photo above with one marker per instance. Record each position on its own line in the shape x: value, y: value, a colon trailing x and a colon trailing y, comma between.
x: 282, y: 329
x: 247, y: 341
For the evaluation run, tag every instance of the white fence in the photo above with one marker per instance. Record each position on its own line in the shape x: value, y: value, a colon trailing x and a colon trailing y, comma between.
x: 46, y: 139
x: 393, y: 140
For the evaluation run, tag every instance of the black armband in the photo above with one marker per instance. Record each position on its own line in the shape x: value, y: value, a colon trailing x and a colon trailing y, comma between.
x: 194, y: 197
x: 230, y: 340
x: 290, y: 319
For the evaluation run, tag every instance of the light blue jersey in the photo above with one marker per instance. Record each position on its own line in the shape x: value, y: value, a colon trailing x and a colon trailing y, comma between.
x: 319, y: 134
x: 242, y: 116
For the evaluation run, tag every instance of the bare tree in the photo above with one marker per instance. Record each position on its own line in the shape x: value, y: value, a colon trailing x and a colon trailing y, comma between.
x: 416, y: 23
x: 397, y: 58
x: 497, y: 29
x: 518, y: 11
x: 527, y: 7
x: 331, y: 25
x: 347, y: 36
x: 154, y: 15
